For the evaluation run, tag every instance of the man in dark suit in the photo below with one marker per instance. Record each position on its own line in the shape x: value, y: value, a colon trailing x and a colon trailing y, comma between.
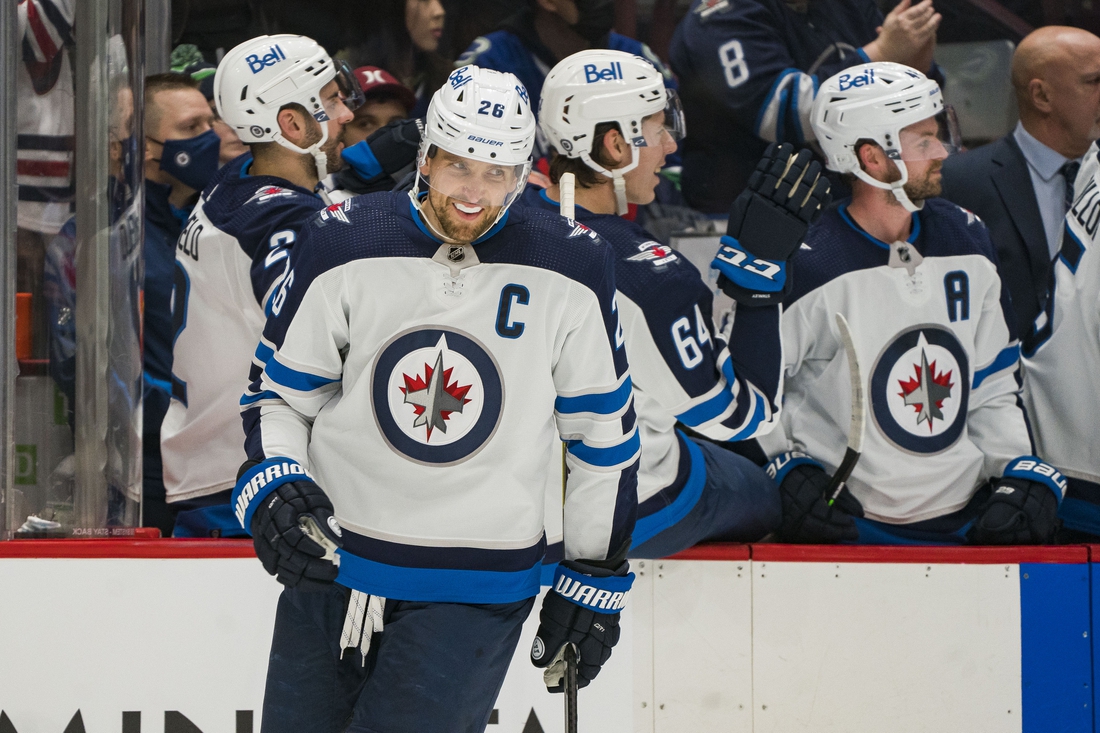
x: 1022, y: 184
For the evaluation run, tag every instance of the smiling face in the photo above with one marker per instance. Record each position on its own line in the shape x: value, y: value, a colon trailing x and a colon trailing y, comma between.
x: 641, y: 183
x: 465, y: 196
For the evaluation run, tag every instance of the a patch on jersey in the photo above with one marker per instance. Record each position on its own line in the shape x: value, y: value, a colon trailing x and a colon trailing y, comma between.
x: 654, y: 252
x: 580, y: 230
x: 335, y: 212
x: 707, y: 7
x: 268, y: 193
x: 920, y: 390
x: 437, y: 395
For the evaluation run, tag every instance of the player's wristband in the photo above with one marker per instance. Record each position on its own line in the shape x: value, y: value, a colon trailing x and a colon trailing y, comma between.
x: 602, y: 595
x: 259, y: 481
x: 781, y: 465
x: 749, y: 272
x: 1033, y: 468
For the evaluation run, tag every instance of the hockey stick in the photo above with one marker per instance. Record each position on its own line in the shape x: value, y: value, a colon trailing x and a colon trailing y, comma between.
x: 567, y: 187
x: 855, y: 429
x: 570, y: 685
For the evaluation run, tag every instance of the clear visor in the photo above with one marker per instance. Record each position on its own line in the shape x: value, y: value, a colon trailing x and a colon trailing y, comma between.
x: 350, y: 91
x: 932, y: 139
x: 674, y: 116
x: 472, y: 184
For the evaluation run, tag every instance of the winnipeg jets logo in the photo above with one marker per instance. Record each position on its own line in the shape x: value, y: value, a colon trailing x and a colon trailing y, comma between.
x: 926, y: 391
x: 433, y: 397
x: 920, y: 390
x: 654, y: 252
x: 267, y: 193
x: 437, y: 395
x: 337, y: 212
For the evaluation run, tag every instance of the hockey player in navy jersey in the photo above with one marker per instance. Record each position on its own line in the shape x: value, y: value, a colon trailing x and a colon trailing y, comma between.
x: 542, y: 33
x: 420, y: 365
x: 286, y: 99
x: 946, y: 455
x: 1062, y: 360
x: 749, y: 71
x: 613, y: 134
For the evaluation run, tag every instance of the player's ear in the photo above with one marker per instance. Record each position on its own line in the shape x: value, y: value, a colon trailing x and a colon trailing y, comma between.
x: 616, y: 148
x: 292, y: 125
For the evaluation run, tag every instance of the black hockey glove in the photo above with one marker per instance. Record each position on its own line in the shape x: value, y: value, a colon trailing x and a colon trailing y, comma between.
x: 1023, y: 509
x: 767, y: 223
x: 807, y: 516
x: 382, y: 158
x: 291, y: 521
x: 581, y: 608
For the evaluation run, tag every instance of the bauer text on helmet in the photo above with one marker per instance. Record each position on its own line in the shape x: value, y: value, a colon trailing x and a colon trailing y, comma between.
x: 884, y: 102
x: 476, y: 152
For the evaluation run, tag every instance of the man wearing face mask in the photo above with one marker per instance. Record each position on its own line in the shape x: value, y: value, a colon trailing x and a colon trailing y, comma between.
x: 181, y: 155
x: 289, y: 102
x: 543, y: 33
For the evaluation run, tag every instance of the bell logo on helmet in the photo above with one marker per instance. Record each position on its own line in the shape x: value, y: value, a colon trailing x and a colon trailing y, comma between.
x: 460, y: 77
x: 258, y: 63
x: 593, y: 74
x: 849, y: 81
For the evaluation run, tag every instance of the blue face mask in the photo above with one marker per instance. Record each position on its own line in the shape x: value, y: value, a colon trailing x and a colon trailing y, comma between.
x: 191, y: 161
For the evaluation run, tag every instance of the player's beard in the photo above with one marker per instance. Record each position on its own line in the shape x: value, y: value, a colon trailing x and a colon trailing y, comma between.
x: 454, y: 228
x: 928, y: 186
x: 331, y: 149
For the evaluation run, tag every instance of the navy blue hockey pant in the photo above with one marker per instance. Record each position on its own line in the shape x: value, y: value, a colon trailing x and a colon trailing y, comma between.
x: 738, y: 503
x: 949, y: 529
x: 435, y: 668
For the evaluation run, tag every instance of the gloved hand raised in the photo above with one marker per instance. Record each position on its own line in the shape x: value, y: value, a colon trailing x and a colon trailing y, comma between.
x: 767, y: 223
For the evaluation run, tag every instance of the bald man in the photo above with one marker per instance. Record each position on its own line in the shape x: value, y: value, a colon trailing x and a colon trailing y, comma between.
x: 1021, y: 184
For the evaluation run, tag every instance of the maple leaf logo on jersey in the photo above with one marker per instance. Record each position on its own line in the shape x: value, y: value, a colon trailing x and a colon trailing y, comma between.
x: 926, y: 391
x: 655, y: 252
x: 267, y: 193
x: 434, y: 397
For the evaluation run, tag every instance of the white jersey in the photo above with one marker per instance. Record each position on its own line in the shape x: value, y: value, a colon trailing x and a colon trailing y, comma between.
x: 1062, y: 357
x: 44, y: 88
x: 425, y: 386
x: 230, y: 259
x: 938, y: 355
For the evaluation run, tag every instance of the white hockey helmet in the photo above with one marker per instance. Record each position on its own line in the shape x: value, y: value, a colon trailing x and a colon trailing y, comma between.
x: 482, y: 115
x: 600, y: 85
x: 259, y: 77
x: 875, y: 102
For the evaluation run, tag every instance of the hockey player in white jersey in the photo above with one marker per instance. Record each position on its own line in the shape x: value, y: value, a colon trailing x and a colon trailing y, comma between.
x: 420, y: 364
x: 947, y: 456
x: 612, y: 122
x: 1062, y: 361
x: 288, y: 101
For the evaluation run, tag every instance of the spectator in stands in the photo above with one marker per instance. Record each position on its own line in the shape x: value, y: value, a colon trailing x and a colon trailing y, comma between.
x: 749, y: 71
x: 946, y: 454
x: 405, y: 40
x: 1022, y: 184
x: 44, y: 156
x: 543, y: 33
x: 385, y: 100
